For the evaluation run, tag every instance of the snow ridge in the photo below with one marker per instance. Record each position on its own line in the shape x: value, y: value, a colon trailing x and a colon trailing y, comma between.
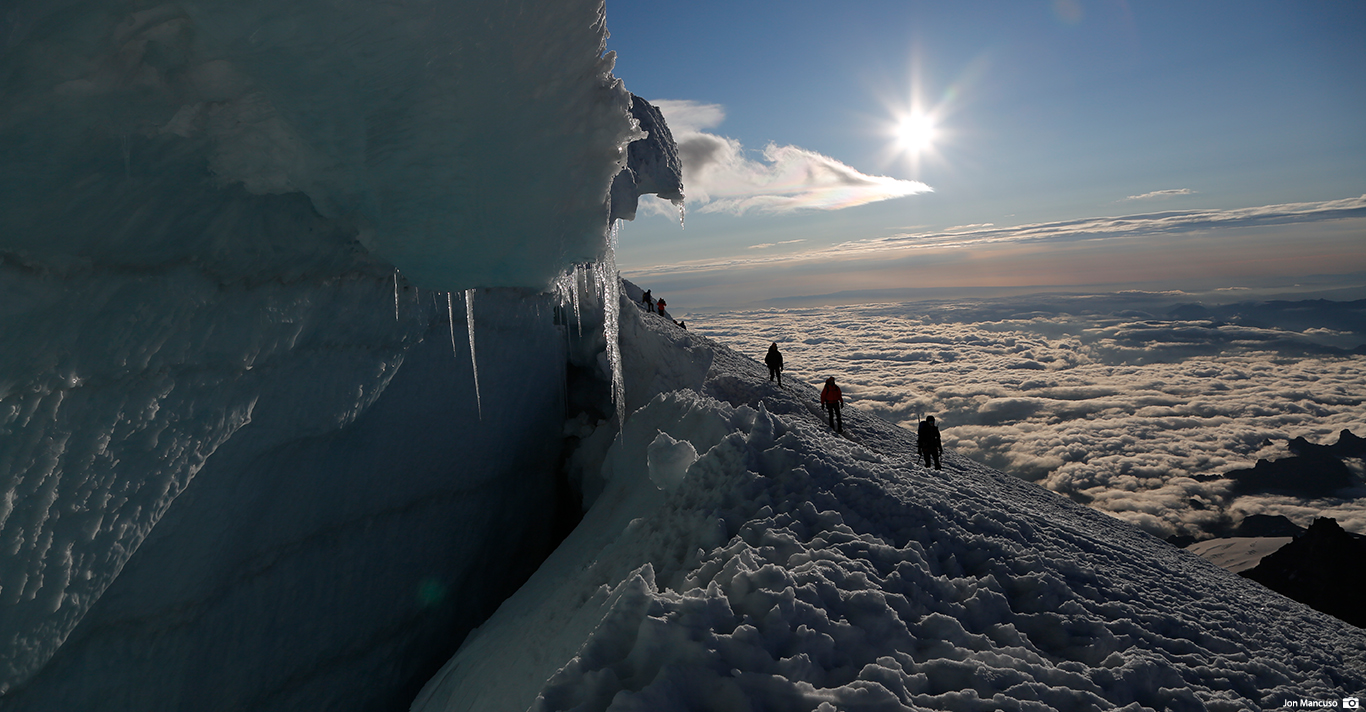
x: 794, y: 569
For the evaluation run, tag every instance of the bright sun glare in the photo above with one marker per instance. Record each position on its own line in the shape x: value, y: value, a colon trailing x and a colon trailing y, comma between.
x: 915, y: 133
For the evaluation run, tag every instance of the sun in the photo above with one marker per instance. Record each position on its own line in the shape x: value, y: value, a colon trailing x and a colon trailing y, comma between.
x: 915, y: 133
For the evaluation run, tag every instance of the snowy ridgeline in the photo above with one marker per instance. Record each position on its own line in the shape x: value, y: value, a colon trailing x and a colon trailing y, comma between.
x: 741, y: 556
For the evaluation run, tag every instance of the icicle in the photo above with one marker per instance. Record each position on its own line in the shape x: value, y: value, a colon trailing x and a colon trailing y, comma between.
x: 450, y: 313
x: 474, y: 365
x: 681, y: 215
x: 574, y: 289
x: 610, y: 282
x: 395, y: 295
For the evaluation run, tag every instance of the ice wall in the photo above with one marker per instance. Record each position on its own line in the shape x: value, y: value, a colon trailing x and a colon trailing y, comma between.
x: 469, y: 144
x: 119, y: 382
x: 236, y: 450
x: 317, y: 564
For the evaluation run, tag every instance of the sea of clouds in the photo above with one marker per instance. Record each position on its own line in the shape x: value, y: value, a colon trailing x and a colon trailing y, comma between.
x: 1115, y: 400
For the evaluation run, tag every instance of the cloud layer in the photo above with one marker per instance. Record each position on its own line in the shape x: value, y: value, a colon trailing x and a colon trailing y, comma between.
x: 719, y: 175
x: 1138, y: 225
x: 1115, y: 408
x: 1091, y: 231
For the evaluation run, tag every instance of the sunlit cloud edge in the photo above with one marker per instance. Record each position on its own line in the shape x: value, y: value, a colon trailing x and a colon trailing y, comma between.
x: 720, y: 176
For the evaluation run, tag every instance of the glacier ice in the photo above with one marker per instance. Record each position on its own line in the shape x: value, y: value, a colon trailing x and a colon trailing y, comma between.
x: 465, y: 157
x: 241, y: 520
x: 204, y: 209
x: 652, y: 165
x: 118, y: 396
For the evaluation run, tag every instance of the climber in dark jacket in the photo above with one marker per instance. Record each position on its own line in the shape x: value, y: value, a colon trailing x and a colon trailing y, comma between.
x: 774, y: 361
x: 832, y: 400
x: 929, y: 445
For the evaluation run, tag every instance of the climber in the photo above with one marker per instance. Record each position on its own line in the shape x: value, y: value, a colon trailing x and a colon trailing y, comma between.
x: 832, y: 400
x: 929, y: 445
x: 774, y: 361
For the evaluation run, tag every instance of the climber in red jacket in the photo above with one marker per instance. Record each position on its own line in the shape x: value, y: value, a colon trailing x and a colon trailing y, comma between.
x: 832, y: 400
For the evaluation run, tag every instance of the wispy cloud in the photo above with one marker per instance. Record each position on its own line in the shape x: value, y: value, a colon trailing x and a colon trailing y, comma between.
x: 690, y: 117
x: 719, y: 174
x: 1098, y: 228
x: 766, y: 245
x: 1162, y: 194
x: 1137, y: 225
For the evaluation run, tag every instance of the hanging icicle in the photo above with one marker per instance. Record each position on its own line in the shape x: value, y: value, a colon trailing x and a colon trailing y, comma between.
x: 574, y: 289
x: 450, y: 314
x: 610, y: 283
x: 395, y: 294
x: 474, y: 364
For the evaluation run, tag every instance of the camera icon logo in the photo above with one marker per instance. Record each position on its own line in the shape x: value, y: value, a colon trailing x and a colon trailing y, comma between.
x: 1351, y: 703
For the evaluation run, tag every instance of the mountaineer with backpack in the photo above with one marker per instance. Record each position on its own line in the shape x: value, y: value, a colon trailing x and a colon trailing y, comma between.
x: 928, y: 441
x: 832, y: 400
x: 774, y: 361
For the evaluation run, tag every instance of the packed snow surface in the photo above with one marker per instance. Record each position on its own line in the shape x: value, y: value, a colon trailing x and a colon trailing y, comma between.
x: 1238, y: 553
x: 789, y: 568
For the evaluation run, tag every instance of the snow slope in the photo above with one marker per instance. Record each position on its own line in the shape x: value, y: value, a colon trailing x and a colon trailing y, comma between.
x: 1238, y: 553
x: 793, y: 569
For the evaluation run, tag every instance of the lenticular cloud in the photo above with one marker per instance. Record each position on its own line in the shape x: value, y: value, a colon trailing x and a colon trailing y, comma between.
x: 723, y: 178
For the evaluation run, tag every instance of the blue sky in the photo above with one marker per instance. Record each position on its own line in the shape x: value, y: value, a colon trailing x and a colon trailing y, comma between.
x: 1047, y: 114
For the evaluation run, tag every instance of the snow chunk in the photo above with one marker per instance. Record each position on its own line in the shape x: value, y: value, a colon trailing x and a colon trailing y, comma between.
x: 652, y: 164
x: 669, y: 460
